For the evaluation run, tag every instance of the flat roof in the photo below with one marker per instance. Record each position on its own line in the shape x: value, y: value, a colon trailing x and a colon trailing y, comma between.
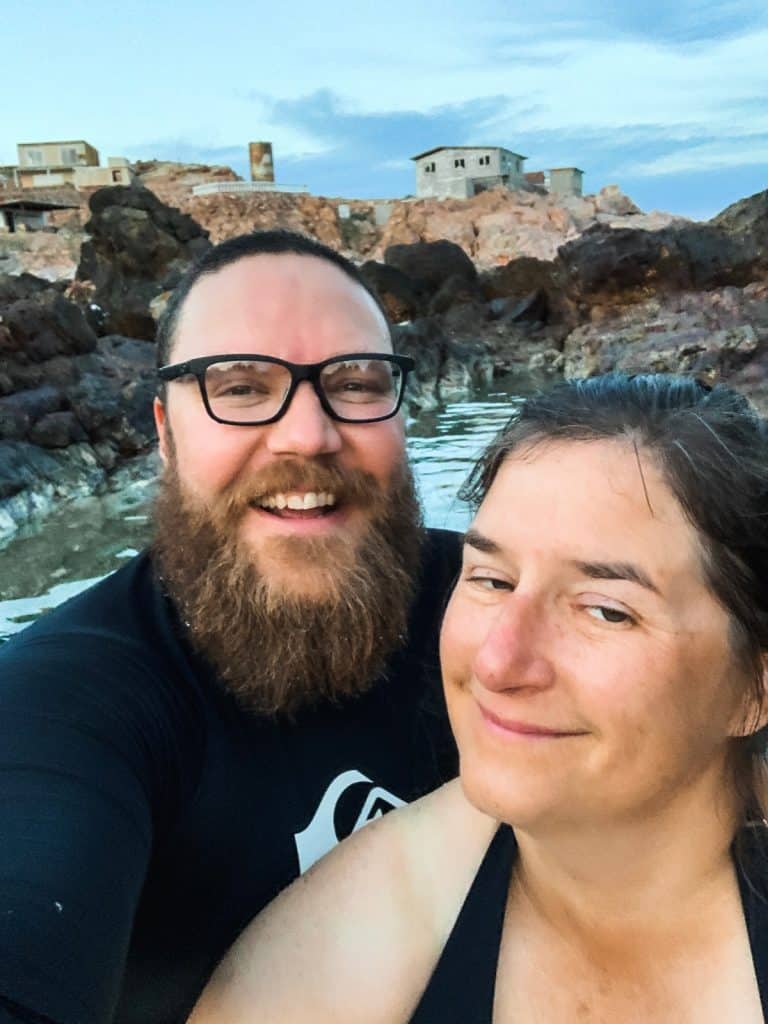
x: 437, y: 149
x: 566, y: 169
x: 36, y: 205
x: 57, y: 142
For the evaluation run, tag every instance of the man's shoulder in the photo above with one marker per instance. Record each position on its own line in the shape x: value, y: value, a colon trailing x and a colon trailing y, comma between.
x: 111, y: 636
x: 117, y: 605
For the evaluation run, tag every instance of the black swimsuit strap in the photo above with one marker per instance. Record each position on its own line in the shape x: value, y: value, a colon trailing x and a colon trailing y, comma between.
x: 751, y: 873
x: 463, y: 983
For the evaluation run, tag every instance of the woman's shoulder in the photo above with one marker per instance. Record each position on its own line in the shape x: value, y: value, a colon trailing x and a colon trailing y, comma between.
x: 356, y: 938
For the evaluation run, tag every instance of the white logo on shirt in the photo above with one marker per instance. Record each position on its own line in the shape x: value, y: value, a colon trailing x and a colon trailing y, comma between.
x: 320, y: 835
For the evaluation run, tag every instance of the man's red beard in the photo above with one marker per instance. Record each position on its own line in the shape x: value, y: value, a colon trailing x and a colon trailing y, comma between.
x: 277, y: 648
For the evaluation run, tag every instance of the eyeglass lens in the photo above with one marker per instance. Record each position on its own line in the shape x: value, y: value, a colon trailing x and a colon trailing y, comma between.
x: 249, y: 390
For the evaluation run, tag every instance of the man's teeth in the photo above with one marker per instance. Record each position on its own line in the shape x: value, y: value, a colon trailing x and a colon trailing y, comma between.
x: 296, y: 501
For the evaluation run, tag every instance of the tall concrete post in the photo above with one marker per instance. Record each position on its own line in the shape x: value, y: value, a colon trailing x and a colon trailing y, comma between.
x: 262, y: 167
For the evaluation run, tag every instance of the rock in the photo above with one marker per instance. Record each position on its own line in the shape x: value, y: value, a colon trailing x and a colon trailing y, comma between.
x: 747, y: 222
x: 35, y: 402
x: 430, y: 264
x: 138, y: 247
x: 532, y: 308
x: 455, y: 291
x: 607, y: 267
x: 714, y: 335
x: 23, y: 286
x: 23, y: 464
x: 612, y: 200
x: 394, y: 290
x: 57, y: 430
x: 43, y: 326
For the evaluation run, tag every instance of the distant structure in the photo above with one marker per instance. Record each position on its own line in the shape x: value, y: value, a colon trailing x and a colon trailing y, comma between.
x: 262, y: 176
x: 28, y: 214
x: 73, y: 162
x: 566, y: 181
x: 460, y: 172
x: 262, y: 164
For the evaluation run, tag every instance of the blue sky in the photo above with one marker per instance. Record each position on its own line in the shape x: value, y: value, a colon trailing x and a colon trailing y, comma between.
x: 670, y: 101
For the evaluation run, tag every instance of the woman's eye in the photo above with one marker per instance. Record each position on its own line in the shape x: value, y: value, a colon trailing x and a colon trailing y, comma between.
x: 491, y: 582
x: 607, y: 614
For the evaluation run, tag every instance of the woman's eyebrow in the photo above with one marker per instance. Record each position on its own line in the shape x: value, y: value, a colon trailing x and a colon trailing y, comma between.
x: 474, y: 539
x: 594, y: 570
x: 616, y: 571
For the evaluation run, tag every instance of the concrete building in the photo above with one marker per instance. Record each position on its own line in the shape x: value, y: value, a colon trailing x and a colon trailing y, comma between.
x: 52, y: 164
x: 566, y: 181
x: 462, y: 171
x: 47, y: 164
x: 117, y: 172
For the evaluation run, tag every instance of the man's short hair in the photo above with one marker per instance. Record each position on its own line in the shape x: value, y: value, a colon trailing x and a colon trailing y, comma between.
x: 258, y: 243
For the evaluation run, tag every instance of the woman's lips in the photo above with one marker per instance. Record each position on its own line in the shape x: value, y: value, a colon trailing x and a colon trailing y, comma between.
x: 513, y: 727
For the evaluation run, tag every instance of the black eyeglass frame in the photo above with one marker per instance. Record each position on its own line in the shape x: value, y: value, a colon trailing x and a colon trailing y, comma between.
x: 299, y: 372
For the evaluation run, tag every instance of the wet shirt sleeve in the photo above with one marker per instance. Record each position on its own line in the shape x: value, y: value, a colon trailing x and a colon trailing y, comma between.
x: 77, y: 789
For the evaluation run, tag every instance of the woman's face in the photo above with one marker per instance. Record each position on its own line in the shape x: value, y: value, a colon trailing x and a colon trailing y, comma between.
x: 587, y: 666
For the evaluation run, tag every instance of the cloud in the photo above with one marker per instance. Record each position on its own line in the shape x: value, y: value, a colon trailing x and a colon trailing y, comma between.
x: 714, y: 155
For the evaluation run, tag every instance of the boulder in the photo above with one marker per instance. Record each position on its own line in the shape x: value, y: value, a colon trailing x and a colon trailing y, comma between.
x: 430, y: 264
x: 57, y: 430
x: 394, y: 290
x: 138, y: 248
x: 619, y: 267
x: 44, y: 325
x: 747, y: 222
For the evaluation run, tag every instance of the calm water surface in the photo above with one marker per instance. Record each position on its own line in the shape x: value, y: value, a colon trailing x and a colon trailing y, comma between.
x: 88, y: 539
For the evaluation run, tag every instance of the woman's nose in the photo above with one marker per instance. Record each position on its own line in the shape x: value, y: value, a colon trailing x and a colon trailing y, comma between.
x: 516, y: 652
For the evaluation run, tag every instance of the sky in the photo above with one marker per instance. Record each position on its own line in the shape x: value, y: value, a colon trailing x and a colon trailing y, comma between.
x: 667, y: 100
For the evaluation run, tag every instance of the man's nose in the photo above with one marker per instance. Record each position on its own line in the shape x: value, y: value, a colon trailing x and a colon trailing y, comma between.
x: 304, y: 428
x: 517, y: 652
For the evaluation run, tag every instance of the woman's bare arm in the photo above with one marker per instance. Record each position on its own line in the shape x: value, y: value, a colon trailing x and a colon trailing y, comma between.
x: 356, y: 938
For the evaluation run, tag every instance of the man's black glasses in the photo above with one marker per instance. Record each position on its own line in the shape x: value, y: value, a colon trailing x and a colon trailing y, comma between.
x: 248, y: 390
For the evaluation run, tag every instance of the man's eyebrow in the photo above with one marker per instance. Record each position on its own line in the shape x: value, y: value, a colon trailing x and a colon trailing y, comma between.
x: 474, y: 539
x: 617, y: 571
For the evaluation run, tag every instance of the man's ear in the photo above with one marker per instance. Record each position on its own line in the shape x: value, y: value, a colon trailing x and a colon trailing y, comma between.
x: 162, y: 429
x: 753, y: 714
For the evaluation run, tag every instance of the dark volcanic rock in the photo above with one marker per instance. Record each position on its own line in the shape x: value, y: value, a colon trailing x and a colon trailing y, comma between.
x: 57, y: 430
x: 138, y: 248
x: 43, y: 326
x: 22, y: 287
x: 394, y: 290
x: 455, y: 291
x: 606, y: 266
x: 430, y: 264
x: 527, y: 289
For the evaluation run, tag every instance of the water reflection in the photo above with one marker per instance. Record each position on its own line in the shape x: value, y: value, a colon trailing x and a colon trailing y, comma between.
x: 45, y: 565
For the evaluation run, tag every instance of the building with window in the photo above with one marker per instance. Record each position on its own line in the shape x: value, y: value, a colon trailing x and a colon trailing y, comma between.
x: 462, y: 171
x: 51, y: 164
x: 48, y: 164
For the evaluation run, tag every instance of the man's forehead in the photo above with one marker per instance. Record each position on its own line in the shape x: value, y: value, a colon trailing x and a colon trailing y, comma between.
x: 286, y: 296
x: 266, y: 271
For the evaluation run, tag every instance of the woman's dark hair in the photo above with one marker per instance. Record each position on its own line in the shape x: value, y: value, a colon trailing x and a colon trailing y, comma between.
x: 712, y: 449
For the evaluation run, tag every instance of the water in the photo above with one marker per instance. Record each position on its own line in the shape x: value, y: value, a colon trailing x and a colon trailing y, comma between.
x: 88, y: 539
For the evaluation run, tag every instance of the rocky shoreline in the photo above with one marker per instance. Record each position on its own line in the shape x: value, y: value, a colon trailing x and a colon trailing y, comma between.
x: 77, y: 356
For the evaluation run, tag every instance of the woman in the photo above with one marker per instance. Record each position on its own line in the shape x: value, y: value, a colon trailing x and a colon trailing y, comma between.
x: 603, y: 656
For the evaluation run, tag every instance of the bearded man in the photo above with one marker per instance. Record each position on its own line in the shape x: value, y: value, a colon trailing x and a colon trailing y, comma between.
x: 183, y: 739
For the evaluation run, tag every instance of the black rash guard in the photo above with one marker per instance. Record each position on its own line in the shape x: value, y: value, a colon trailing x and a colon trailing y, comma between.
x: 145, y: 818
x: 462, y: 987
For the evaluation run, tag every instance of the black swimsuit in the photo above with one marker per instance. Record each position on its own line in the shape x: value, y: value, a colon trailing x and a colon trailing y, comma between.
x: 461, y: 989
